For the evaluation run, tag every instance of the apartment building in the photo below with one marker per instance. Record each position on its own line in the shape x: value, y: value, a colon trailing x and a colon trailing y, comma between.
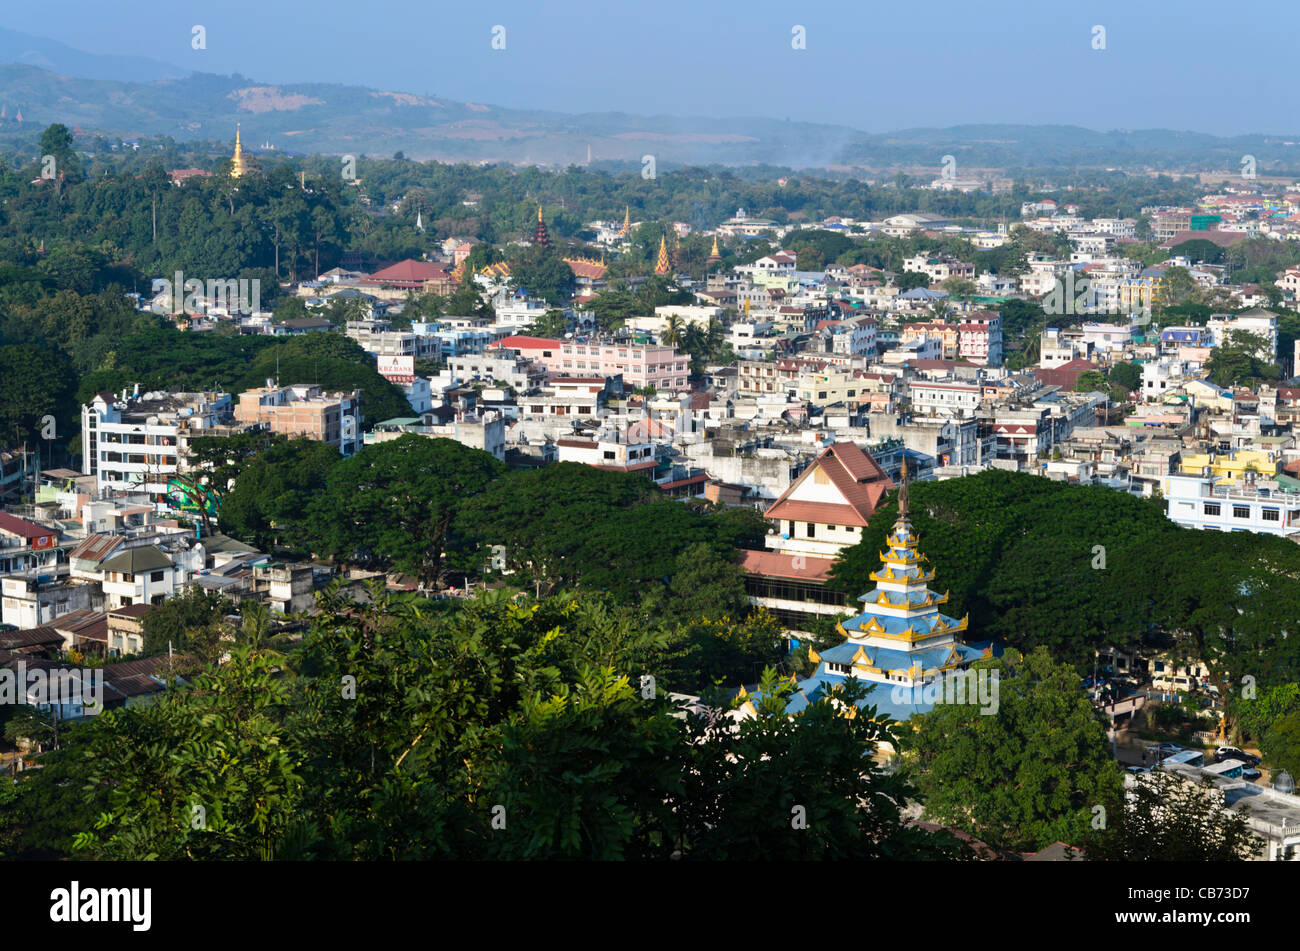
x: 485, y: 430
x: 944, y: 398
x: 1204, y: 502
x: 948, y: 334
x: 498, y: 367
x: 305, y: 410
x: 608, y: 454
x: 980, y: 339
x: 758, y: 377
x: 640, y: 365
x: 130, y: 442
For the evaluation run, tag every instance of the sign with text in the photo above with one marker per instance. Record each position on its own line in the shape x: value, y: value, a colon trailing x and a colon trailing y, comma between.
x: 397, y: 369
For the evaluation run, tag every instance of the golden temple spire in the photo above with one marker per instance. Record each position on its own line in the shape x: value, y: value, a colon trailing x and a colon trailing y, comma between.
x: 661, y: 263
x: 627, y: 220
x: 237, y: 166
x: 539, y: 214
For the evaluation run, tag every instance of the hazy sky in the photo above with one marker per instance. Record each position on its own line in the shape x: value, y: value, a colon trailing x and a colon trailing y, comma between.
x: 1210, y: 67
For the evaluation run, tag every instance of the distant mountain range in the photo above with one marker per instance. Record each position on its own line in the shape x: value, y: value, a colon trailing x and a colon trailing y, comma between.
x: 131, y: 96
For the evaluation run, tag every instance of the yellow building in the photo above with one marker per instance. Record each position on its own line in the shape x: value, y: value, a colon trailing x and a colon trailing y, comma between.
x: 1233, y: 466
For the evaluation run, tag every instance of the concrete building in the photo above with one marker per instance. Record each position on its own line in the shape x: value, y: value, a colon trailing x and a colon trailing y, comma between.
x: 1201, y: 501
x: 130, y: 442
x: 305, y: 410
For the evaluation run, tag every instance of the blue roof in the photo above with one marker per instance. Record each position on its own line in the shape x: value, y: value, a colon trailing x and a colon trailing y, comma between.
x: 880, y: 696
x: 897, y: 625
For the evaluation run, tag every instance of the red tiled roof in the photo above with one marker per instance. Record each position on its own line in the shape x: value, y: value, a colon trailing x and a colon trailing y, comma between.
x: 522, y: 342
x: 96, y: 547
x: 586, y: 269
x: 823, y: 513
x: 410, y: 271
x: 689, y: 480
x: 23, y: 528
x: 774, y: 564
x: 859, y: 479
x: 634, y: 467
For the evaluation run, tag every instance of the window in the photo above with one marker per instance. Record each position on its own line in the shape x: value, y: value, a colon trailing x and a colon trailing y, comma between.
x: 1241, y: 511
x: 1271, y: 515
x: 156, y: 576
x: 1211, y: 508
x: 812, y: 530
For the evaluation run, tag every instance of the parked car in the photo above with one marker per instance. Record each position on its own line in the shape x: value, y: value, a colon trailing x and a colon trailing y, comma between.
x: 1250, y: 773
x: 1135, y: 770
x: 1231, y: 753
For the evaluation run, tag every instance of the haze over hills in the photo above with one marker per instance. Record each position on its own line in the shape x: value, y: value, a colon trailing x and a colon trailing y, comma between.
x: 132, y: 96
x: 16, y: 47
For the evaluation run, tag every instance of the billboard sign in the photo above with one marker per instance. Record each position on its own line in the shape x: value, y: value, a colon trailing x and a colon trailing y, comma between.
x: 397, y: 369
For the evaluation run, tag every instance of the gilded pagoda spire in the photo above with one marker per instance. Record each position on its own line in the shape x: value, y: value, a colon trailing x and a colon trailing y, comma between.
x: 238, y: 166
x: 627, y: 219
x: 714, y: 255
x: 662, y: 266
x: 541, y: 236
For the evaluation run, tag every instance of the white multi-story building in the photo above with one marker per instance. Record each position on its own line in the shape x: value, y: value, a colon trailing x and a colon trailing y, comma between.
x: 1160, y: 376
x: 1262, y: 323
x: 1206, y: 503
x: 944, y: 399
x: 854, y: 337
x: 498, y: 366
x: 608, y: 454
x: 130, y: 443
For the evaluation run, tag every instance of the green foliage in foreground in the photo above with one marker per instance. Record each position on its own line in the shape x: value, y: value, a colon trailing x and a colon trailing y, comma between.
x: 502, y: 729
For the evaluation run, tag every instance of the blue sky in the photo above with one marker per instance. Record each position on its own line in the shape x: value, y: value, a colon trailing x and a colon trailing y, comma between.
x: 873, y: 65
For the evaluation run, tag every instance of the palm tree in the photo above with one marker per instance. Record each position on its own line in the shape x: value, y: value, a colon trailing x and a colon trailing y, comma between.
x: 714, y: 336
x: 672, y: 334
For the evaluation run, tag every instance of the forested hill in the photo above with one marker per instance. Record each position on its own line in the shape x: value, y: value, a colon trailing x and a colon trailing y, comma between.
x: 341, y: 119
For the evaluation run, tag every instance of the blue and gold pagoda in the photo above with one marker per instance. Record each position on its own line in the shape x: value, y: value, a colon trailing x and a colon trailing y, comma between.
x: 901, y: 639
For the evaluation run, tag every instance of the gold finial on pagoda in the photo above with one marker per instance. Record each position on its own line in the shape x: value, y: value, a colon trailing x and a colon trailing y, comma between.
x: 237, y: 166
x: 715, y: 255
x: 661, y: 263
x: 627, y: 219
x: 539, y: 214
x: 902, y: 491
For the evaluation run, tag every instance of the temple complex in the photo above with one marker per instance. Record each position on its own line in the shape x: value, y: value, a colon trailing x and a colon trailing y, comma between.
x: 900, y: 640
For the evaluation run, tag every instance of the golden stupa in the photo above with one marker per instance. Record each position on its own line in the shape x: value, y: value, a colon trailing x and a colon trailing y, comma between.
x: 238, y: 166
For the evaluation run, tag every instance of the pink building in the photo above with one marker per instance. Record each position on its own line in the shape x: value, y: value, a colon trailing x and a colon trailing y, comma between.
x: 541, y: 350
x: 980, y: 338
x: 641, y: 364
